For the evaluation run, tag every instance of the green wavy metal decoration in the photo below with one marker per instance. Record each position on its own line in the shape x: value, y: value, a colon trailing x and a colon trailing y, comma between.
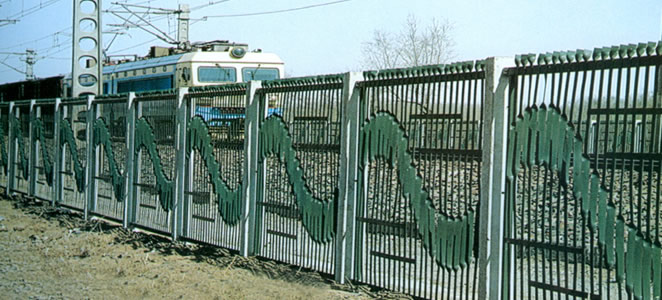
x: 22, y: 155
x: 559, y: 148
x: 448, y: 240
x: 318, y: 216
x: 145, y: 138
x: 102, y: 137
x: 3, y: 150
x: 229, y: 201
x: 67, y: 138
x: 38, y: 128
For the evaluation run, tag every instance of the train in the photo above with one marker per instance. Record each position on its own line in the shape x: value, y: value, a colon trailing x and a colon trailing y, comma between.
x: 209, y: 63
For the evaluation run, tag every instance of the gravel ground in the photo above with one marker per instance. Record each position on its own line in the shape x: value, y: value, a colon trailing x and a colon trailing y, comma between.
x: 51, y: 254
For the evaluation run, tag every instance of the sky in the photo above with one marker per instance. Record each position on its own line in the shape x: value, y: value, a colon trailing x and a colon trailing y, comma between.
x: 328, y: 39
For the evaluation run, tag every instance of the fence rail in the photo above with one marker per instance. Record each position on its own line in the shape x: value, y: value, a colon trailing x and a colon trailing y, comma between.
x: 537, y: 176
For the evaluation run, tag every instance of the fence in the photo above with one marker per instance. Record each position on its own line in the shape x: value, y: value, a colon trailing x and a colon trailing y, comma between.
x: 507, y: 178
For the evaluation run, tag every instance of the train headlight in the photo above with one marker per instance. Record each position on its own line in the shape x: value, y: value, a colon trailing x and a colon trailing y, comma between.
x: 238, y: 52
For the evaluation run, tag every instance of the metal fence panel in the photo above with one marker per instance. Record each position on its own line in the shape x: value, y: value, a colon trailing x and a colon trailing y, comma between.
x: 214, y: 180
x: 110, y: 129
x: 21, y: 126
x: 561, y: 242
x: 155, y: 149
x: 421, y: 136
x: 44, y: 145
x: 73, y: 140
x: 299, y: 164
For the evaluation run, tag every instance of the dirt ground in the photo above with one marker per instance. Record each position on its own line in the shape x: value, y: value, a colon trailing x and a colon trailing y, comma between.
x: 48, y: 253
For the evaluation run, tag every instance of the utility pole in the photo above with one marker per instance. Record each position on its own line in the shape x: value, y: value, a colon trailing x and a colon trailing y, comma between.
x: 86, y: 62
x: 182, y: 26
x: 30, y: 60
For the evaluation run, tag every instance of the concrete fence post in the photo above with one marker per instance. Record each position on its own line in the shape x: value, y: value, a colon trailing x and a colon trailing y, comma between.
x: 347, y: 189
x: 250, y: 180
x: 180, y: 206
x: 32, y: 158
x: 57, y: 155
x: 131, y: 167
x: 492, y: 206
x: 189, y: 165
x: 11, y: 143
x: 90, y: 164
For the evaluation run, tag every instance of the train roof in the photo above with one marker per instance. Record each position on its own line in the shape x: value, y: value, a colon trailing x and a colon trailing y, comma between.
x: 226, y: 57
x: 144, y: 63
x: 197, y: 56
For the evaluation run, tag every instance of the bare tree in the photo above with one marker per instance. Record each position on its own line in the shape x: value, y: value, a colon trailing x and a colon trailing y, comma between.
x: 411, y: 47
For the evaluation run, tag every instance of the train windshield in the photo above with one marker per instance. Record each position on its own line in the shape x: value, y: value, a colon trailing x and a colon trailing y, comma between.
x: 249, y: 74
x: 217, y: 74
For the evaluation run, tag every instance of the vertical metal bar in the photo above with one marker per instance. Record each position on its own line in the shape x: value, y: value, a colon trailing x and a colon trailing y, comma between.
x: 347, y: 179
x: 130, y: 168
x: 250, y: 184
x: 492, y: 210
x: 180, y: 170
x: 32, y: 183
x: 57, y: 156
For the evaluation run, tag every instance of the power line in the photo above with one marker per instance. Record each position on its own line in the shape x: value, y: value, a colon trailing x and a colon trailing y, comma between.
x: 277, y: 11
x: 147, y: 42
x: 38, y: 39
x: 137, y: 45
x: 208, y: 4
x: 11, y: 67
x: 34, y: 9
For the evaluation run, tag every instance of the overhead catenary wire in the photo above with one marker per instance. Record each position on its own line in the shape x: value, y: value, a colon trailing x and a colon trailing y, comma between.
x: 149, y: 41
x: 277, y: 11
x: 62, y: 31
x: 12, y: 67
x: 33, y: 9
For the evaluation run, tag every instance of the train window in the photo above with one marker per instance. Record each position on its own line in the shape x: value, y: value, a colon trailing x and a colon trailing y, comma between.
x: 217, y: 74
x: 165, y: 68
x: 154, y: 70
x: 124, y: 73
x: 134, y: 72
x: 144, y: 71
x: 147, y: 84
x: 249, y: 74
